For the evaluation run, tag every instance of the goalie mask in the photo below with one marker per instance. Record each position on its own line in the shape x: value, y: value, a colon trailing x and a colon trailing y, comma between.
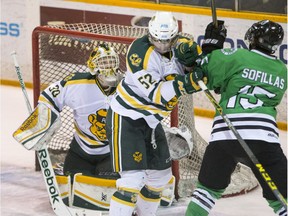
x: 163, y: 31
x: 265, y: 35
x: 104, y: 62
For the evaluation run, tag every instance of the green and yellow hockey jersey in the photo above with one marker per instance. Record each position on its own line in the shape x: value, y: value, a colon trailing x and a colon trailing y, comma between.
x: 147, y: 89
x: 89, y: 102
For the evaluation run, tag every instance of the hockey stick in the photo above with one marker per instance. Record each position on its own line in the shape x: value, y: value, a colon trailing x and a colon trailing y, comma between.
x: 17, y: 69
x: 244, y: 145
x: 56, y: 201
x: 214, y: 15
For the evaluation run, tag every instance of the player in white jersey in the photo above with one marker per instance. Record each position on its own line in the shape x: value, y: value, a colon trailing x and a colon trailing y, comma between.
x: 88, y: 95
x: 150, y: 90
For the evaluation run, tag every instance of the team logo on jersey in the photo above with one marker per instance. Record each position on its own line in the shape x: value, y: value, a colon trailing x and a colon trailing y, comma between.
x: 98, y: 122
x: 135, y: 60
x: 228, y: 51
x: 137, y: 156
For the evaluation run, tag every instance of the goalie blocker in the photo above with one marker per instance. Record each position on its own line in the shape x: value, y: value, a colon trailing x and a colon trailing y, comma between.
x: 38, y: 128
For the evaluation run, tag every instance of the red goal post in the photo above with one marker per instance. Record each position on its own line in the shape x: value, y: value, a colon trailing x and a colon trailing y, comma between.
x: 59, y: 50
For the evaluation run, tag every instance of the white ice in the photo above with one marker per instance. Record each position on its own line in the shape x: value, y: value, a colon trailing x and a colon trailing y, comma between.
x: 23, y: 191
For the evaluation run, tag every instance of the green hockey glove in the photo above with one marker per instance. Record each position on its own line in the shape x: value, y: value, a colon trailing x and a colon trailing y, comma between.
x: 187, y: 53
x: 188, y: 83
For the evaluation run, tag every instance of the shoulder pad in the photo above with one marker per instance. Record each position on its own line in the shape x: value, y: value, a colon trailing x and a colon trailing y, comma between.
x: 138, y: 51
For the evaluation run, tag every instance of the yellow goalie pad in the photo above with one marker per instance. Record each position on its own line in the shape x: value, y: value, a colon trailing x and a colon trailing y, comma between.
x: 92, y: 193
x: 38, y: 128
x: 64, y: 184
x: 96, y: 193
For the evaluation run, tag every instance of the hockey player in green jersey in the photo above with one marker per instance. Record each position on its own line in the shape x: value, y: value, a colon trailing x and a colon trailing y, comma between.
x: 251, y: 83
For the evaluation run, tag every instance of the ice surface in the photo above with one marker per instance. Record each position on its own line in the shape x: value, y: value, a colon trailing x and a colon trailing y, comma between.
x: 23, y: 191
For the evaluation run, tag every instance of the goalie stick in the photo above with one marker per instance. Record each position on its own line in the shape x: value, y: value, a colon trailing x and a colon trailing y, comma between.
x: 55, y: 199
x: 245, y: 146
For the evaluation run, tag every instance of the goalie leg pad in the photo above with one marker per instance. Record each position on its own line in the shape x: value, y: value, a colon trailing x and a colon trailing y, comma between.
x: 92, y: 193
x: 64, y: 184
x: 38, y: 128
x: 96, y: 193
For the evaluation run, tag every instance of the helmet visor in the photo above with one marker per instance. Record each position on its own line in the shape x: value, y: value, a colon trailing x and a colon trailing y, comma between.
x: 163, y: 45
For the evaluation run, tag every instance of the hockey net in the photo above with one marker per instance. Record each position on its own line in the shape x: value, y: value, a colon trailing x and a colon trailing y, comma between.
x: 59, y: 50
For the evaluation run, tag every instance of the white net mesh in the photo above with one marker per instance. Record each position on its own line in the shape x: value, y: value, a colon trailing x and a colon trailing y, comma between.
x: 61, y: 49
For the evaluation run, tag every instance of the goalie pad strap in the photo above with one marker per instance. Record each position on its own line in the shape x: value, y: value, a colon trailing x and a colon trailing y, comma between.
x: 38, y: 128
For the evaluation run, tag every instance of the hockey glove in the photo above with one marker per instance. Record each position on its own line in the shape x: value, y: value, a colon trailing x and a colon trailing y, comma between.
x: 214, y: 37
x: 180, y: 141
x: 188, y: 83
x: 187, y: 53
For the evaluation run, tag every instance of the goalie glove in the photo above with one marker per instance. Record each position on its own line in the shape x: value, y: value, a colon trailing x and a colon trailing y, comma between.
x: 214, y: 38
x: 38, y: 128
x: 188, y: 52
x: 188, y: 83
x: 179, y: 140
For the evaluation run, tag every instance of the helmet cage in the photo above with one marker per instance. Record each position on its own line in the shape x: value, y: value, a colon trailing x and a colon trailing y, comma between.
x: 103, y: 59
x: 104, y: 62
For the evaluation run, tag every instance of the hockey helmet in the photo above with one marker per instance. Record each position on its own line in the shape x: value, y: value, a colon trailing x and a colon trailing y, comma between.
x: 104, y: 62
x: 163, y: 31
x: 265, y: 35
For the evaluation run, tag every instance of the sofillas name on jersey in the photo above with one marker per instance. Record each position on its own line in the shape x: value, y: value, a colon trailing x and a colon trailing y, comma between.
x: 229, y: 42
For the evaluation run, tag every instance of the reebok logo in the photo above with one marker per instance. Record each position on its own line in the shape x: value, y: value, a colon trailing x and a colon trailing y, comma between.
x: 42, y: 154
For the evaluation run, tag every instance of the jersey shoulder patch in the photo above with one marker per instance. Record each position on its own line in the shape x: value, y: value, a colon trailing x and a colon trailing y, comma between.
x: 75, y: 77
x: 139, y: 50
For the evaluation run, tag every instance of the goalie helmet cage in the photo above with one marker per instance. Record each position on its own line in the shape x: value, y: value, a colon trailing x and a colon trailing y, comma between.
x: 59, y: 50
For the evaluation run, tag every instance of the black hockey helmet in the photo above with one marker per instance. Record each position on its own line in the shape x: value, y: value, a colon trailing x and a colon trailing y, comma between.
x: 265, y: 35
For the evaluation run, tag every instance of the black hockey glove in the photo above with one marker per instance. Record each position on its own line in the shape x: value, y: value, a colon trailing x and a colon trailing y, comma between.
x: 188, y: 83
x: 214, y: 37
x: 187, y: 53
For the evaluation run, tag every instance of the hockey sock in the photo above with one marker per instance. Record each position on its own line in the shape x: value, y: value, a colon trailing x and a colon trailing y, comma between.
x: 277, y: 207
x: 122, y: 203
x: 148, y: 201
x: 203, y: 200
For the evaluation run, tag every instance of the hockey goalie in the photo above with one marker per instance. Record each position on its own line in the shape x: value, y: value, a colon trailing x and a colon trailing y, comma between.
x: 86, y: 179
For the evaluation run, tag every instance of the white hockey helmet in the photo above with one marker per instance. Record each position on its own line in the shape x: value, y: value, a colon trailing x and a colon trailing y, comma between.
x: 104, y: 62
x: 163, y: 31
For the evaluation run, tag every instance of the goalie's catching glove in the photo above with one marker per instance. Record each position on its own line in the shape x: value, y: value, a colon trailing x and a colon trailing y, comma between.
x: 214, y: 37
x: 188, y: 83
x: 187, y: 53
x: 180, y: 141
